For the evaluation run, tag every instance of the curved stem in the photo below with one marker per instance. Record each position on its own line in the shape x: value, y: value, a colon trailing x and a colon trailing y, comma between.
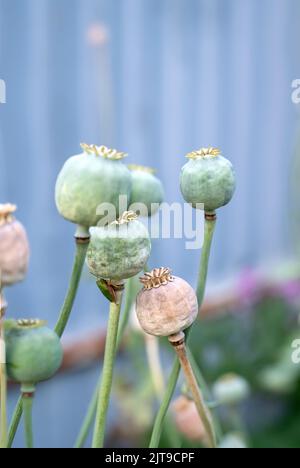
x: 91, y: 412
x: 27, y: 411
x: 81, y: 250
x: 210, y: 224
x: 107, y: 374
x: 178, y: 343
x: 15, y: 422
x: 82, y: 243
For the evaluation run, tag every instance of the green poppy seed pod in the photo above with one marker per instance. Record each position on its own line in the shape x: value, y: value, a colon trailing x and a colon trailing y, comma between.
x: 33, y: 351
x: 89, y: 180
x: 147, y: 190
x: 14, y: 247
x: 233, y: 441
x: 231, y: 389
x: 120, y: 250
x: 208, y: 179
x: 167, y: 305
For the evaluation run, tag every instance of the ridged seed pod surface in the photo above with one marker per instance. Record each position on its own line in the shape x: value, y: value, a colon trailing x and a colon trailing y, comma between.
x: 167, y: 310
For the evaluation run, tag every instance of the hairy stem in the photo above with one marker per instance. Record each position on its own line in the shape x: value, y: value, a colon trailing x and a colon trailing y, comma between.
x: 210, y: 223
x: 107, y: 374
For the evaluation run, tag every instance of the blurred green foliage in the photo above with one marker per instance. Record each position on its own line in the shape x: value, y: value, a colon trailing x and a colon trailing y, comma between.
x: 245, y: 342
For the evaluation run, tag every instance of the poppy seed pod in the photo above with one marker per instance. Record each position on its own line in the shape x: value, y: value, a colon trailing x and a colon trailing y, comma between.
x: 231, y: 389
x: 208, y: 179
x: 119, y: 251
x: 147, y: 190
x: 88, y: 180
x: 167, y: 305
x: 33, y: 351
x: 14, y: 247
x: 188, y: 421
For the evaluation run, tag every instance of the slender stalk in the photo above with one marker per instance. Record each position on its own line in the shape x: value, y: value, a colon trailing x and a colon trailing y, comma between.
x: 3, y: 386
x: 209, y: 229
x: 91, y: 412
x: 15, y: 422
x: 81, y: 250
x: 160, y: 418
x: 3, y: 378
x: 107, y: 374
x: 88, y: 420
x: 152, y: 349
x: 210, y: 224
x: 206, y: 393
x: 82, y: 242
x: 27, y: 401
x: 178, y: 342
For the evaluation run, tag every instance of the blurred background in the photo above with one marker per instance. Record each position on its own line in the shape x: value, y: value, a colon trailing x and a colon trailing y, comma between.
x: 158, y: 79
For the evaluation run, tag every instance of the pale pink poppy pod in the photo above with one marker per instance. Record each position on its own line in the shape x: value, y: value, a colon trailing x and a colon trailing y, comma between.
x: 167, y: 305
x: 14, y: 247
x: 187, y: 420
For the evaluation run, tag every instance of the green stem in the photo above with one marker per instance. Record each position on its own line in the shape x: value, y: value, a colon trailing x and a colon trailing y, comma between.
x: 81, y: 250
x: 107, y: 374
x: 82, y: 243
x: 154, y: 363
x: 210, y: 224
x: 209, y: 229
x: 88, y: 420
x: 27, y: 410
x: 91, y: 412
x: 3, y: 390
x: 3, y: 377
x: 159, y: 422
x: 15, y: 422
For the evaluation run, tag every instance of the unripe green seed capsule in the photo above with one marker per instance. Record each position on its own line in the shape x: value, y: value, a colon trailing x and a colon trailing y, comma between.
x: 167, y: 305
x: 88, y: 180
x: 231, y: 389
x: 147, y: 190
x: 208, y: 178
x: 33, y: 351
x: 119, y: 251
x: 14, y: 247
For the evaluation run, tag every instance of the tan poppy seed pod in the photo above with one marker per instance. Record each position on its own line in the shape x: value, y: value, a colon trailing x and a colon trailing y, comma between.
x: 14, y: 247
x: 167, y: 305
x: 188, y: 421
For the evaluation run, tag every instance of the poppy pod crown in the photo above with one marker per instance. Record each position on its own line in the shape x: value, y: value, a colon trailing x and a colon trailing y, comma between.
x: 207, y: 179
